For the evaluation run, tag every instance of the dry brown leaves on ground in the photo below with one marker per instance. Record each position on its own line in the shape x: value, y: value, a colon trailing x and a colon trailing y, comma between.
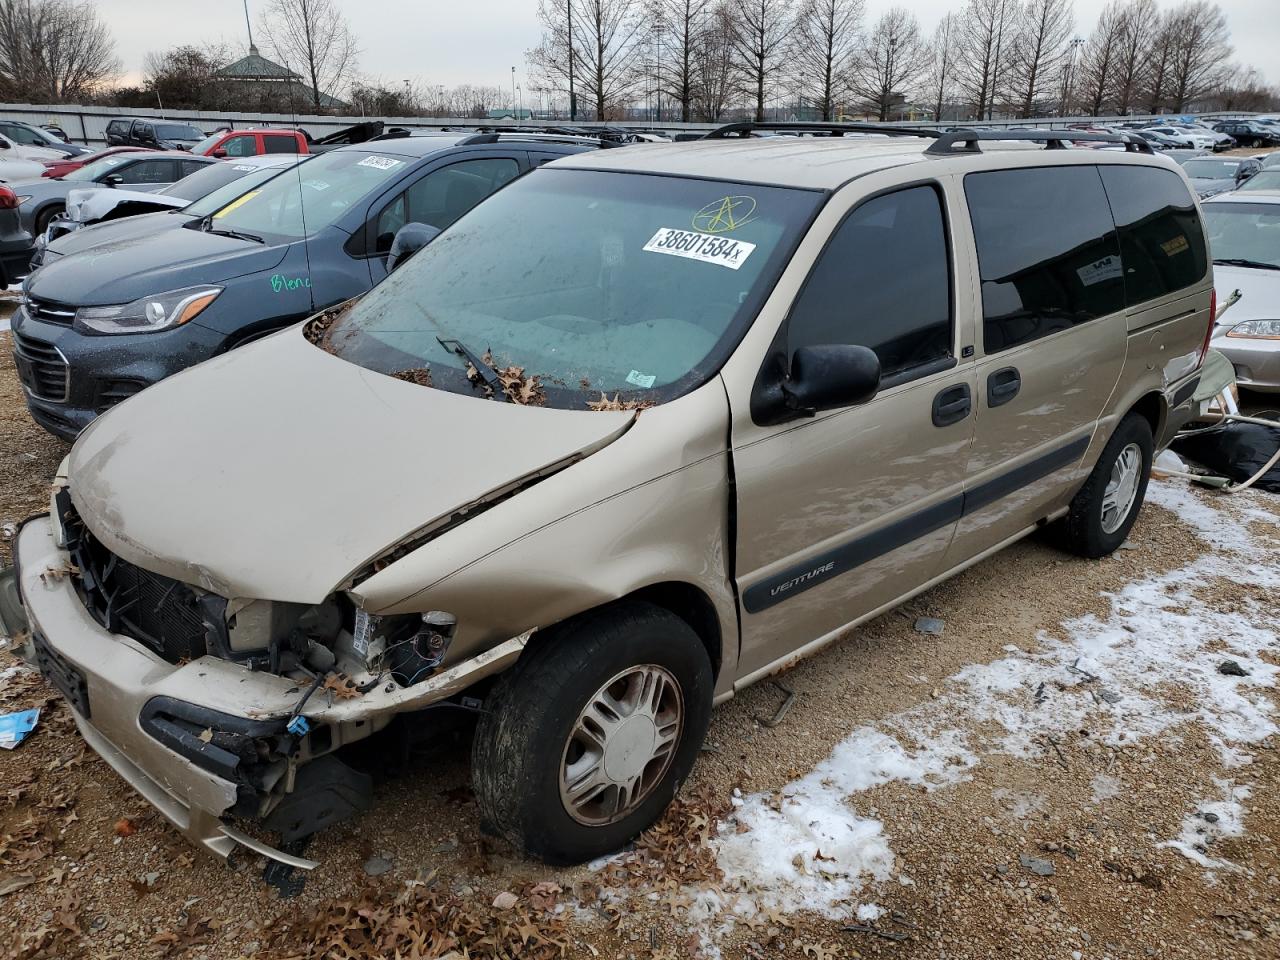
x: 56, y: 939
x: 676, y: 850
x: 421, y: 922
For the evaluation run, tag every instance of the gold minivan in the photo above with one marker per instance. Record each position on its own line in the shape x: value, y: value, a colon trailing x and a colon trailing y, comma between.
x: 644, y: 427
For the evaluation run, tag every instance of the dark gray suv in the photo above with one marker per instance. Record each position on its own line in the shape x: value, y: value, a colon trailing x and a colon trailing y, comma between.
x: 118, y: 306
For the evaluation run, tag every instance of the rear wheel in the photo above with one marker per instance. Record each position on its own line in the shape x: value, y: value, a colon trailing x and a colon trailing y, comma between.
x: 1105, y: 509
x: 588, y: 737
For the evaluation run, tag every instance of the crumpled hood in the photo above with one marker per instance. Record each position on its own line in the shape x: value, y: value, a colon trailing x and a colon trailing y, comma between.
x: 113, y: 231
x: 85, y: 206
x: 1259, y: 294
x: 277, y: 470
x: 138, y: 265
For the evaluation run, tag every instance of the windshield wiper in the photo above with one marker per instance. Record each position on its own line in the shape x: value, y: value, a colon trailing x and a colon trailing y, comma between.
x: 483, y: 370
x: 1241, y: 262
x: 206, y: 226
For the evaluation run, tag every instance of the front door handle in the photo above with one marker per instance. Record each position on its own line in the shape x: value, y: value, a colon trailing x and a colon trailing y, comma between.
x: 1003, y: 386
x: 952, y: 405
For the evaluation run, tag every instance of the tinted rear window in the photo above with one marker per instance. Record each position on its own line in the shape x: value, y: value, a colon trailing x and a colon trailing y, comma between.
x: 1161, y: 241
x: 1047, y: 251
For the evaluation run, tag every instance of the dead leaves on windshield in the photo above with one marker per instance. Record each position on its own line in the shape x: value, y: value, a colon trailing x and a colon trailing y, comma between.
x: 520, y: 388
x: 616, y: 403
x: 419, y: 375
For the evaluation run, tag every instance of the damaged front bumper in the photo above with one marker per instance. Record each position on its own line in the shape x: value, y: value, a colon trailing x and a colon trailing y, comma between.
x: 206, y: 742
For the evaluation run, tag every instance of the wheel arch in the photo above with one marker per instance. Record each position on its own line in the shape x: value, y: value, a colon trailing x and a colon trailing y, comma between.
x: 1151, y: 407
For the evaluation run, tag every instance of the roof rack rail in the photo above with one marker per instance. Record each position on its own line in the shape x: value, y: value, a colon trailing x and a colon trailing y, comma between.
x: 743, y: 128
x: 534, y: 136
x: 1053, y: 140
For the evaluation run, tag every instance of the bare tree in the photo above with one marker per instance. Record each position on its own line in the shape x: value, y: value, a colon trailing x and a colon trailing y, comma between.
x: 686, y: 21
x: 1244, y: 88
x: 1039, y: 49
x: 760, y: 42
x: 985, y: 33
x: 1139, y: 21
x: 182, y: 78
x: 605, y: 42
x: 1159, y: 57
x: 943, y: 50
x: 890, y: 59
x: 1101, y: 53
x: 312, y: 36
x: 824, y: 39
x: 1200, y: 53
x: 716, y: 66
x: 53, y: 50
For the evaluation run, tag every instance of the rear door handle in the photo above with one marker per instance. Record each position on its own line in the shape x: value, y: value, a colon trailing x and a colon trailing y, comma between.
x: 1003, y: 386
x: 952, y: 405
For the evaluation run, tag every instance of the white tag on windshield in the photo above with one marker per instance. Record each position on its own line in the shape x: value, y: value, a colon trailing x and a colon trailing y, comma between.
x: 382, y: 163
x: 706, y: 247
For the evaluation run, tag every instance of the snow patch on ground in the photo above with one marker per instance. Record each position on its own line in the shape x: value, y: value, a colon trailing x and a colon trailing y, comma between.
x: 809, y: 847
x: 1213, y: 820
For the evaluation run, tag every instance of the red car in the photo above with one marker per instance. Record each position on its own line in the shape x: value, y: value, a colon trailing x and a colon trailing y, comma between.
x: 250, y: 143
x: 60, y: 168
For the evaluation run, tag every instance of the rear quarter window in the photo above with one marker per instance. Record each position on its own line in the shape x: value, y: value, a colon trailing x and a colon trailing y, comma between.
x: 1047, y: 252
x: 1162, y: 243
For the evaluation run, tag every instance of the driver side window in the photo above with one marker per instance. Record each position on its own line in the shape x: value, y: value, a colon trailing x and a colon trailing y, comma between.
x: 443, y: 196
x: 147, y: 171
x: 240, y: 147
x: 884, y: 282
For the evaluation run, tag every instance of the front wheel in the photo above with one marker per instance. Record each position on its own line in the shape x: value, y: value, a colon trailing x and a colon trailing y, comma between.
x: 1105, y: 509
x: 44, y: 217
x: 588, y: 738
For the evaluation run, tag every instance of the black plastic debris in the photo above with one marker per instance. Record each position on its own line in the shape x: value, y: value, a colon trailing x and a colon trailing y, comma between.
x: 1230, y: 668
x: 1236, y: 451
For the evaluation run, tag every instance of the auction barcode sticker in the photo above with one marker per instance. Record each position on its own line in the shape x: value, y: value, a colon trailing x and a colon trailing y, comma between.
x: 381, y: 163
x: 706, y: 247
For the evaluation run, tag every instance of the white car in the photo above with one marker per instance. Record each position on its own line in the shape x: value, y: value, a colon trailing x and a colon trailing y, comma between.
x: 1244, y: 235
x: 1186, y: 138
x: 12, y: 171
x: 12, y: 150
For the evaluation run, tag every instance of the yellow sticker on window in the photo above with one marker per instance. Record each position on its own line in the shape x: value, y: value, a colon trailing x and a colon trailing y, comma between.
x: 1175, y: 246
x: 725, y: 214
x: 238, y: 202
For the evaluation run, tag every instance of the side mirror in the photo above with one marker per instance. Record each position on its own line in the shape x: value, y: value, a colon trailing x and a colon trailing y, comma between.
x: 4, y: 145
x: 822, y: 377
x: 830, y: 375
x: 220, y: 153
x: 114, y: 180
x: 409, y: 239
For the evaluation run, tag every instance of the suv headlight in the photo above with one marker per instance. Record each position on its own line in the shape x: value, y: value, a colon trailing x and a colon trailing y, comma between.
x: 162, y: 311
x: 1259, y: 329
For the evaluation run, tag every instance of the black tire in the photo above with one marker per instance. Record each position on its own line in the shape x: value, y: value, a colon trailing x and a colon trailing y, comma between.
x: 521, y: 740
x: 1085, y: 533
x: 45, y: 215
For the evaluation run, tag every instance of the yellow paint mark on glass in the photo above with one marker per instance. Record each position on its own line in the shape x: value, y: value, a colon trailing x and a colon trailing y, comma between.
x: 238, y: 202
x: 724, y: 215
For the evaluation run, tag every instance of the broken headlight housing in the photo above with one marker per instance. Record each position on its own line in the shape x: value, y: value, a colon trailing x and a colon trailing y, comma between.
x: 163, y: 311
x: 409, y: 647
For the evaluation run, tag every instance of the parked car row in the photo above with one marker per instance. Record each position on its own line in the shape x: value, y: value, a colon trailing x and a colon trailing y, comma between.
x: 573, y: 463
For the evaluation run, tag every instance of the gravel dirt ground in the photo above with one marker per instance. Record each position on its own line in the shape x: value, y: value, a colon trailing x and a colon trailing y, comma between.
x: 1010, y: 787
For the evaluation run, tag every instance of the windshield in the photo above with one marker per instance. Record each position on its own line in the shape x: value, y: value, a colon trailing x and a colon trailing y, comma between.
x: 92, y: 171
x: 323, y: 190
x: 1268, y: 179
x: 1206, y: 169
x: 1244, y: 231
x: 599, y: 285
x: 224, y: 195
x: 203, y: 146
x: 203, y: 182
x: 177, y: 131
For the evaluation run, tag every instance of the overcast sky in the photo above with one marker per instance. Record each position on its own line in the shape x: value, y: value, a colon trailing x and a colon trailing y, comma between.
x: 479, y: 42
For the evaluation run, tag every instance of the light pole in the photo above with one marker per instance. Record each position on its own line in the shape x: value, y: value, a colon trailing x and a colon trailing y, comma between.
x: 519, y: 104
x: 513, y: 88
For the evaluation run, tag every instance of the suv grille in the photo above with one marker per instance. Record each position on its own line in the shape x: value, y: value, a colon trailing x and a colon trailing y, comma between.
x: 49, y: 311
x: 41, y: 368
x: 160, y: 613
